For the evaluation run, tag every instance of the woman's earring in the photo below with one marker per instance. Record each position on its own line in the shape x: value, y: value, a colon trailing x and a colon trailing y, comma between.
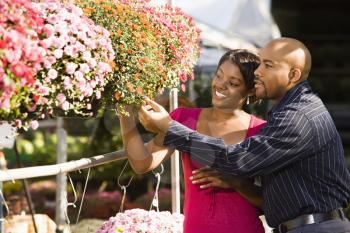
x: 248, y: 100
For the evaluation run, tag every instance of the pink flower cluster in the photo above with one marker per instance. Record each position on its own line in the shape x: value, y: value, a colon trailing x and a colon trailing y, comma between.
x: 142, y: 221
x: 182, y: 39
x: 52, y: 57
x: 21, y: 56
x: 79, y: 54
x: 184, y: 43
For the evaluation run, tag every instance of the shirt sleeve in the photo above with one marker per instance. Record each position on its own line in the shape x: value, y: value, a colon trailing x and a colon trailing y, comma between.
x: 286, y: 138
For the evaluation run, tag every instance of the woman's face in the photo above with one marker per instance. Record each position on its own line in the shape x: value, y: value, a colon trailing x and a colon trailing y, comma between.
x: 228, y: 87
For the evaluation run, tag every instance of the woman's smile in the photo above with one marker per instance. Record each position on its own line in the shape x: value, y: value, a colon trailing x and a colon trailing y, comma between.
x: 219, y: 94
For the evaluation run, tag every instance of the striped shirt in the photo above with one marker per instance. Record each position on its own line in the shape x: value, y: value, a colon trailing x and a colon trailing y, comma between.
x: 298, y: 154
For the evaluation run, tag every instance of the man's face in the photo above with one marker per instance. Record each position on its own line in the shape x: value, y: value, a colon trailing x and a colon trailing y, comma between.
x: 271, y: 77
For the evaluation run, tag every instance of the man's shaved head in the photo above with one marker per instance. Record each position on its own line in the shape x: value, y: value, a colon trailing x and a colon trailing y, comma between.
x: 294, y: 53
x: 284, y: 63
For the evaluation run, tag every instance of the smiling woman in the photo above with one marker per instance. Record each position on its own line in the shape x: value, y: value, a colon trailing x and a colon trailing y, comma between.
x: 214, y: 202
x: 234, y: 78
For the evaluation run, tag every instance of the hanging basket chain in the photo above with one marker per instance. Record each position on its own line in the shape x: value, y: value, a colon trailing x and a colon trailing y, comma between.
x: 83, y: 195
x: 155, y: 200
x: 123, y: 187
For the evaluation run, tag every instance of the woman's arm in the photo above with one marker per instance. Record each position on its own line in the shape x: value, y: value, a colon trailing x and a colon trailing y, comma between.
x: 207, y: 178
x: 142, y: 157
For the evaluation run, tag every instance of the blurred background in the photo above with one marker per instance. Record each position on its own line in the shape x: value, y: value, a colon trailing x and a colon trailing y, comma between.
x: 227, y: 24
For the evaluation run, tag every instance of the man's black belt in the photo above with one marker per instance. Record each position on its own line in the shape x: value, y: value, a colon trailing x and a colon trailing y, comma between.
x: 306, y: 219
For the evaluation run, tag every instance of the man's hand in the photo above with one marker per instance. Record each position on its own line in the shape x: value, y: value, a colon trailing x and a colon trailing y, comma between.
x: 209, y: 178
x: 154, y: 117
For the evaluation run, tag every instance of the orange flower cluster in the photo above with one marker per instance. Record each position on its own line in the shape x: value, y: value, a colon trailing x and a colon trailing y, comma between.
x: 155, y: 47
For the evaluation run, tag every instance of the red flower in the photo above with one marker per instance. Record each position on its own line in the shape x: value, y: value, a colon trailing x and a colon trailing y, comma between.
x: 18, y: 69
x: 2, y: 44
x: 35, y: 98
x: 117, y: 96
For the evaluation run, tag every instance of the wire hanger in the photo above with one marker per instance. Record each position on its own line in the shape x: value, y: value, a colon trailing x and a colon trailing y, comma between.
x: 83, y: 195
x: 123, y: 187
x: 155, y: 200
x: 70, y: 203
x: 3, y: 201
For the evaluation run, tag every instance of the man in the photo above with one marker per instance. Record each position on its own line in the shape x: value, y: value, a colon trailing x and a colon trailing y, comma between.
x: 299, y: 153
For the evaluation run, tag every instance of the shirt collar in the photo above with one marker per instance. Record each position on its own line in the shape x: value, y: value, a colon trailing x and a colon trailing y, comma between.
x: 291, y: 94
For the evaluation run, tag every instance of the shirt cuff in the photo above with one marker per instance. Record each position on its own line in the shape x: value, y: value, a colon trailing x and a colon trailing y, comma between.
x: 177, y: 135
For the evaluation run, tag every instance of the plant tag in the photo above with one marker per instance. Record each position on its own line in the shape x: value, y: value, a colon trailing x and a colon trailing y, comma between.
x: 155, y: 203
x: 7, y: 135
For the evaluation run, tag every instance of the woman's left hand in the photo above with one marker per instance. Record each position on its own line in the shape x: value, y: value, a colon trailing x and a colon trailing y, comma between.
x: 208, y: 178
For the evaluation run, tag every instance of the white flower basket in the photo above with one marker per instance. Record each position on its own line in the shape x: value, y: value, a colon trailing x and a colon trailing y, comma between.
x: 142, y: 221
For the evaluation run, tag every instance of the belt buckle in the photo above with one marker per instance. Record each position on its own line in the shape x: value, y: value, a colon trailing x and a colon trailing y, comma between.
x: 282, y: 228
x: 342, y: 214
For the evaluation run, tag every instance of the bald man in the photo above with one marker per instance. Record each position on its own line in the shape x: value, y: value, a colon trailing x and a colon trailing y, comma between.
x: 299, y: 154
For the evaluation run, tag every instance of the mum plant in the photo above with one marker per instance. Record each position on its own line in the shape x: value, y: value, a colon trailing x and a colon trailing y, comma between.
x: 142, y: 221
x: 151, y: 52
x: 181, y: 39
x: 22, y: 55
x: 79, y: 56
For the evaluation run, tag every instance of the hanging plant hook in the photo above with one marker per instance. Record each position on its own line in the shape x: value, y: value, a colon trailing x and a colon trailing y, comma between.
x: 123, y: 187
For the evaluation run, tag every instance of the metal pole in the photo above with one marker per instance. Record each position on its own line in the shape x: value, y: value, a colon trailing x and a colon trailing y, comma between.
x: 175, y: 167
x: 7, y: 138
x: 26, y: 189
x: 61, y: 179
x: 52, y: 170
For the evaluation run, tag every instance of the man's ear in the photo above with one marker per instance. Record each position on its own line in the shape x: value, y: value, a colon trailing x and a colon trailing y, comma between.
x: 294, y: 75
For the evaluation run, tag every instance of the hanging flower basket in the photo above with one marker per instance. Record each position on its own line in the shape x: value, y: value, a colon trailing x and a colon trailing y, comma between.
x: 142, y: 221
x: 79, y: 53
x: 54, y: 59
x: 155, y: 48
x: 21, y: 56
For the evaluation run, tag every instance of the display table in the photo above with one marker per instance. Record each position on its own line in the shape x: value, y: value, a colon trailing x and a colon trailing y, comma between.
x: 24, y: 224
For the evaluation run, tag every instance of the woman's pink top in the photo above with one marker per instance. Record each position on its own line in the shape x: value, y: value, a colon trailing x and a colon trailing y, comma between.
x: 215, y: 210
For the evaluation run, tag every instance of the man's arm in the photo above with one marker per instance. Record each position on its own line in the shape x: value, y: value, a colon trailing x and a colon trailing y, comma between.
x: 285, y: 139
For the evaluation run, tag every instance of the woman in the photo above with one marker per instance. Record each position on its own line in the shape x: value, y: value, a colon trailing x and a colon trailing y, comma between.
x: 213, y: 202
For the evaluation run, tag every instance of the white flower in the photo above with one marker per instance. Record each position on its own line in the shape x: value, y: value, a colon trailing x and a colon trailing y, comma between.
x: 58, y: 53
x: 34, y: 125
x: 87, y: 55
x: 79, y: 76
x: 98, y: 95
x: 71, y: 67
x: 61, y: 98
x: 65, y: 106
x: 52, y: 74
x: 84, y: 68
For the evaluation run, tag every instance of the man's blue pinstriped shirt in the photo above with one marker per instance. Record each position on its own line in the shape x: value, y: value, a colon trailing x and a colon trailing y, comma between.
x: 298, y: 154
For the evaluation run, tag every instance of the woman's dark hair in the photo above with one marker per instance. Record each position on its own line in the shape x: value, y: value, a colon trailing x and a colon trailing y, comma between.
x: 246, y: 61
